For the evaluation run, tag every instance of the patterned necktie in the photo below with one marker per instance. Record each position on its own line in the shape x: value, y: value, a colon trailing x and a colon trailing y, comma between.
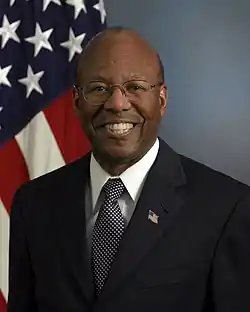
x: 107, y: 233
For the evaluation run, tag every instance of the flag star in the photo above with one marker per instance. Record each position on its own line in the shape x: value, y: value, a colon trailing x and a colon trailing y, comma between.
x: 40, y: 40
x: 12, y: 2
x: 78, y: 6
x: 8, y: 31
x: 73, y: 44
x: 32, y: 81
x: 100, y: 7
x: 47, y: 2
x: 3, y: 75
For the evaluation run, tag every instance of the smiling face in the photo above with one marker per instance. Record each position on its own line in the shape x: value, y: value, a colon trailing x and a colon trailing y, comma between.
x: 124, y: 127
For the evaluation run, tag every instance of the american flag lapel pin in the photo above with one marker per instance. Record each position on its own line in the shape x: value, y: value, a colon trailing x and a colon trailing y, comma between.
x: 153, y: 217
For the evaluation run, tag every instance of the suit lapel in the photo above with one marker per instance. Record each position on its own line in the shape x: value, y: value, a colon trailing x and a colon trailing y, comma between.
x: 159, y: 196
x: 71, y: 224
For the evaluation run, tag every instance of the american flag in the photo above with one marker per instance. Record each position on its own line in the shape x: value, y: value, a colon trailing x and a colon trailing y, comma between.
x: 39, y: 132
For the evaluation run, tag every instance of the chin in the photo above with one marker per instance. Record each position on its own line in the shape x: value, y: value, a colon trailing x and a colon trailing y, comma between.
x: 121, y: 151
x: 118, y: 154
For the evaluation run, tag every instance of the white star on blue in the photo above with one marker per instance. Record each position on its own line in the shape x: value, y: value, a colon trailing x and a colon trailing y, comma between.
x: 38, y: 46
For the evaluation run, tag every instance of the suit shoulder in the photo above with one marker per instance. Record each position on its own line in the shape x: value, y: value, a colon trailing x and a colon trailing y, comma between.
x: 212, y: 179
x: 56, y: 179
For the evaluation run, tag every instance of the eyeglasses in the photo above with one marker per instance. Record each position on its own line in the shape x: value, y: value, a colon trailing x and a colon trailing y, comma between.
x: 98, y: 92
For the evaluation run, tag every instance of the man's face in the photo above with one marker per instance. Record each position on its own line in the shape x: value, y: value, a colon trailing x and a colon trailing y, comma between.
x: 122, y: 128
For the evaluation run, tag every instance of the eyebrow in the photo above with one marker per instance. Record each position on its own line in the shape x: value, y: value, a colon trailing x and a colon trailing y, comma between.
x: 107, y: 80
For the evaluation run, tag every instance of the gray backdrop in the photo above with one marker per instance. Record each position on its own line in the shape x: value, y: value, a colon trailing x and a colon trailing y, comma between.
x: 205, y: 48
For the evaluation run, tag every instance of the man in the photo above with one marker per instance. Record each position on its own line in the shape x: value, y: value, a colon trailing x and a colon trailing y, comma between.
x: 132, y: 226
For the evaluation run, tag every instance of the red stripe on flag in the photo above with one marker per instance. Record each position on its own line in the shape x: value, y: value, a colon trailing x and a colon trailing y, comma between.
x: 13, y: 172
x: 3, y: 307
x: 67, y: 128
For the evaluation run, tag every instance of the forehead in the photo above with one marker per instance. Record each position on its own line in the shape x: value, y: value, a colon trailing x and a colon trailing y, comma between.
x: 118, y: 58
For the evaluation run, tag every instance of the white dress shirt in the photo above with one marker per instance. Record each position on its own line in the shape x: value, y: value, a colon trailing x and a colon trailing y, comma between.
x: 133, y: 178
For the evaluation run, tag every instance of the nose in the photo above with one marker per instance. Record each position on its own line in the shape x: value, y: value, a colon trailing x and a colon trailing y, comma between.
x: 117, y: 101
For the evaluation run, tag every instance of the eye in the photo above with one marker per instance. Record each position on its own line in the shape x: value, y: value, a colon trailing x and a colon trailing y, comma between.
x: 99, y: 89
x: 135, y: 87
x: 96, y: 88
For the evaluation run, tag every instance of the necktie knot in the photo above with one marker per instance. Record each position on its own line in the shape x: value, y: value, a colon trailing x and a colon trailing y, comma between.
x: 113, y: 189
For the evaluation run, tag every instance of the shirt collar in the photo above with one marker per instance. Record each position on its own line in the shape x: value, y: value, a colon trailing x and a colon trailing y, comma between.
x: 133, y: 178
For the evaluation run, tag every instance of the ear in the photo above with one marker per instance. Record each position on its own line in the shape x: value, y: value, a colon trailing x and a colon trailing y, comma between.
x: 163, y: 98
x: 76, y: 101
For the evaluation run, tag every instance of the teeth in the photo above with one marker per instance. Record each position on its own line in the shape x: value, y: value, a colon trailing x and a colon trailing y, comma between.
x: 119, y: 128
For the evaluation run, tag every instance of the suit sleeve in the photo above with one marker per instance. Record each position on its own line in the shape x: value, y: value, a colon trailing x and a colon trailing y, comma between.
x: 21, y: 279
x: 231, y: 269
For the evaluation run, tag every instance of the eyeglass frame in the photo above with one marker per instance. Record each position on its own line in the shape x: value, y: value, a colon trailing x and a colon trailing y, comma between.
x: 80, y: 89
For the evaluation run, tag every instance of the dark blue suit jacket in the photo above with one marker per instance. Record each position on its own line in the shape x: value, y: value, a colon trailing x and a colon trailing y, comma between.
x: 196, y: 259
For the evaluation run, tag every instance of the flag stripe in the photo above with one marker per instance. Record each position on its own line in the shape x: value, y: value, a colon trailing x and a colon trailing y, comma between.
x: 3, y: 307
x: 67, y: 129
x: 13, y: 172
x: 4, y: 247
x: 39, y: 147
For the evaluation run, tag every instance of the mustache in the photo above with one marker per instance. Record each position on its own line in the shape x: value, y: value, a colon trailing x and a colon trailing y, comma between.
x: 103, y: 119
